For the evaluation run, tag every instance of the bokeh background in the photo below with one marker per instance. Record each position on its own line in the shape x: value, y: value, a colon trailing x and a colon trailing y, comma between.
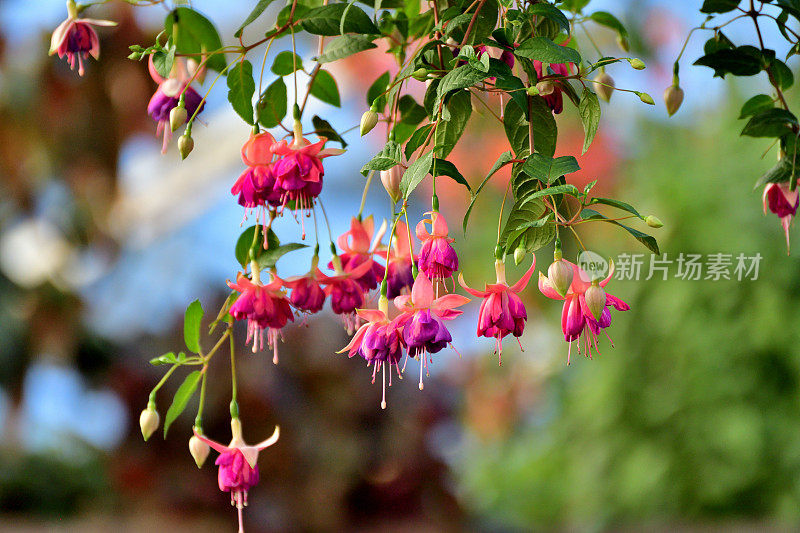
x: 692, y: 421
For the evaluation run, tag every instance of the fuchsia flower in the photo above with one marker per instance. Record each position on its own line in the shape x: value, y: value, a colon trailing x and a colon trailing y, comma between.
x: 359, y: 247
x: 783, y: 201
x: 346, y: 293
x: 502, y: 311
x: 238, y: 471
x: 266, y: 309
x: 256, y: 185
x: 437, y: 259
x: 554, y: 100
x: 399, y: 274
x: 421, y: 319
x: 76, y: 39
x: 167, y: 96
x: 307, y: 293
x: 379, y: 342
x: 576, y: 318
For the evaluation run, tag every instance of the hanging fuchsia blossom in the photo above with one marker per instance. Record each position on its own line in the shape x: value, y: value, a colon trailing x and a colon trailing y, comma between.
x: 76, y: 39
x: 359, y: 247
x: 437, y: 258
x: 379, y: 342
x: 502, y: 311
x: 781, y: 200
x: 307, y: 293
x: 238, y: 471
x: 421, y: 317
x: 256, y: 185
x: 399, y: 276
x: 554, y: 100
x: 266, y: 309
x: 577, y: 321
x: 345, y: 292
x: 167, y: 96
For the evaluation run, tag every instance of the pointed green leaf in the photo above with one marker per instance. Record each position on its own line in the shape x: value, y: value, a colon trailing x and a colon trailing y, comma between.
x: 191, y: 326
x: 181, y: 398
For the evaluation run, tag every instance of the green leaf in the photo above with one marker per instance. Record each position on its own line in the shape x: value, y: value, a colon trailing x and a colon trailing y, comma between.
x: 388, y: 157
x: 196, y: 35
x: 241, y: 87
x: 181, y: 398
x: 506, y: 80
x: 163, y: 61
x: 346, y: 45
x: 324, y: 88
x: 265, y: 258
x: 286, y: 62
x: 416, y: 139
x: 551, y: 12
x: 757, y: 104
x: 329, y: 20
x: 166, y: 359
x: 415, y: 173
x: 616, y: 203
x: 272, y: 105
x: 719, y: 6
x: 191, y: 326
x: 547, y: 169
x: 773, y: 122
x: 377, y: 91
x: 742, y: 61
x: 527, y: 227
x: 516, y: 128
x: 610, y: 21
x: 504, y: 159
x: 324, y: 129
x: 459, y: 108
x: 544, y: 50
x: 567, y: 188
x: 783, y: 171
x: 647, y: 240
x: 545, y: 130
x: 589, y: 109
x: 442, y: 167
x: 782, y: 74
x: 254, y: 14
x: 459, y: 78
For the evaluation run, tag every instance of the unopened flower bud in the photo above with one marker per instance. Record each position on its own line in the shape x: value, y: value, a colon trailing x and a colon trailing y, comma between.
x: 653, y: 221
x: 420, y: 74
x: 560, y: 275
x: 637, y: 63
x: 595, y: 298
x: 623, y: 43
x: 199, y: 450
x: 185, y: 145
x: 604, y: 86
x: 532, y: 91
x: 647, y: 99
x: 519, y: 254
x: 368, y: 121
x: 177, y: 117
x: 673, y: 98
x: 148, y: 421
x: 545, y: 87
x: 391, y: 181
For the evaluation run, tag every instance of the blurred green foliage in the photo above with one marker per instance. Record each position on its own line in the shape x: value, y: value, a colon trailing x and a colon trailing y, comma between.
x: 695, y: 416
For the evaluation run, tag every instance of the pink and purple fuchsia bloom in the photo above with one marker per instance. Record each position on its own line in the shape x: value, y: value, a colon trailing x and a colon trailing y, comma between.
x: 422, y: 320
x: 76, y: 40
x: 256, y: 185
x: 437, y: 258
x: 266, y: 309
x: 238, y: 471
x: 167, y: 96
x: 554, y: 100
x: 358, y: 247
x: 577, y: 321
x: 379, y: 342
x: 345, y: 292
x: 399, y: 275
x: 781, y: 200
x: 502, y: 311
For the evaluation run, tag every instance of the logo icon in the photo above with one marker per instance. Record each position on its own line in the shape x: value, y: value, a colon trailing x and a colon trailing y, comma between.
x: 593, y: 266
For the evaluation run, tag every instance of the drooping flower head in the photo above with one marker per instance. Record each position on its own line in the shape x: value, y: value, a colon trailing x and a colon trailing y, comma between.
x: 577, y: 321
x: 437, y: 258
x: 167, y: 97
x: 76, y: 39
x: 554, y: 100
x: 358, y: 247
x: 266, y: 309
x: 781, y: 200
x: 307, y: 294
x: 256, y: 185
x: 238, y: 471
x: 502, y: 311
x: 345, y: 292
x: 399, y: 276
x: 422, y: 319
x: 379, y: 342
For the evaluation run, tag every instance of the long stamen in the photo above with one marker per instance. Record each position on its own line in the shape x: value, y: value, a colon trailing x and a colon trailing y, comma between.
x: 421, y: 364
x: 383, y: 372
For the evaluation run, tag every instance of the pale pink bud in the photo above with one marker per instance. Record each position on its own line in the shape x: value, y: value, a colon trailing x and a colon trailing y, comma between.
x: 595, y: 298
x: 199, y: 450
x: 148, y: 421
x: 391, y: 181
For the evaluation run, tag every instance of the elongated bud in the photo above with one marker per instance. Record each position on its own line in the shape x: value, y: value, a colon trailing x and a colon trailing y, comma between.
x: 653, y: 221
x: 519, y: 254
x: 199, y: 450
x: 185, y: 145
x: 604, y: 86
x: 368, y: 121
x: 177, y: 117
x: 673, y: 98
x: 391, y: 181
x: 545, y: 87
x: 560, y: 275
x: 647, y: 99
x: 637, y: 63
x: 148, y: 421
x: 595, y: 300
x: 420, y: 74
